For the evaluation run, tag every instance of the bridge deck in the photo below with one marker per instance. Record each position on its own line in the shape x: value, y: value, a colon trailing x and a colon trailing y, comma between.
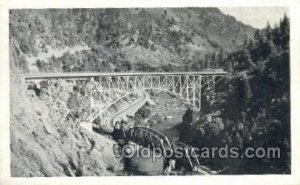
x: 88, y: 75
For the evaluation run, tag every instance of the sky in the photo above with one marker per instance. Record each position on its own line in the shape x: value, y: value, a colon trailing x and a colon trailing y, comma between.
x: 256, y: 16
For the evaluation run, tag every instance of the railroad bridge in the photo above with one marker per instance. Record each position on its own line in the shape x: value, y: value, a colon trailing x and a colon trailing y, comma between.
x: 145, y: 136
x: 186, y: 85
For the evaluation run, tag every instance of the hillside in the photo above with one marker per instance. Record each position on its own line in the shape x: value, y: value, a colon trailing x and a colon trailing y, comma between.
x: 47, y: 139
x: 122, y: 39
x: 252, y: 108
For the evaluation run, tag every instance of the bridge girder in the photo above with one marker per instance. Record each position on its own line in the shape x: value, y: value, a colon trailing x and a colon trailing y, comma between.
x: 144, y: 135
x: 188, y: 86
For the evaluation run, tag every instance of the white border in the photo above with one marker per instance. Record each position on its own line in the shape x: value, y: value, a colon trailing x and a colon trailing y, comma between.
x: 5, y: 178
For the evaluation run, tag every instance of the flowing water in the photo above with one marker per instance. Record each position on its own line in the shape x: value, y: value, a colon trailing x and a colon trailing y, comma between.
x: 147, y: 166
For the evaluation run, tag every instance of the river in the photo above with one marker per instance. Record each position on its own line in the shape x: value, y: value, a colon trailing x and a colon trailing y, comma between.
x: 147, y: 166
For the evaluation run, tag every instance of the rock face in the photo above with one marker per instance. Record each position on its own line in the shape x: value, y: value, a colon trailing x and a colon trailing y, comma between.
x: 45, y: 143
x: 46, y: 138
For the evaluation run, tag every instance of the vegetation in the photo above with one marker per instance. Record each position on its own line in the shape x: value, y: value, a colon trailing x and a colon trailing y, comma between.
x: 254, y: 109
x: 251, y: 108
x: 122, y: 39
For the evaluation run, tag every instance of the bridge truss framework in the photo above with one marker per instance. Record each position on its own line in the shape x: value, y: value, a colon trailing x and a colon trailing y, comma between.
x: 188, y: 86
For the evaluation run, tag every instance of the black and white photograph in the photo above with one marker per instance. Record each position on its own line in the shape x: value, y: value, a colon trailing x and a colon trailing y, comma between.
x: 149, y: 91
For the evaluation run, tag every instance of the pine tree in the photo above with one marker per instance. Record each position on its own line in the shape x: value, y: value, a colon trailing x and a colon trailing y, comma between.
x: 284, y: 30
x: 268, y: 31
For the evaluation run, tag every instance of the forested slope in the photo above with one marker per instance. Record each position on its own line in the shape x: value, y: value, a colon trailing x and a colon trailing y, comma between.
x: 122, y: 39
x: 252, y: 108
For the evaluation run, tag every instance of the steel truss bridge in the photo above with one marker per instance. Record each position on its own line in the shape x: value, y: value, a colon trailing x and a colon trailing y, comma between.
x: 186, y: 85
x: 145, y: 136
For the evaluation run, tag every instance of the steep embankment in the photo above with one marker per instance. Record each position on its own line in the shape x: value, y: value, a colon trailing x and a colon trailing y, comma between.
x: 45, y: 143
x: 46, y: 139
x: 132, y: 109
x: 163, y: 115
